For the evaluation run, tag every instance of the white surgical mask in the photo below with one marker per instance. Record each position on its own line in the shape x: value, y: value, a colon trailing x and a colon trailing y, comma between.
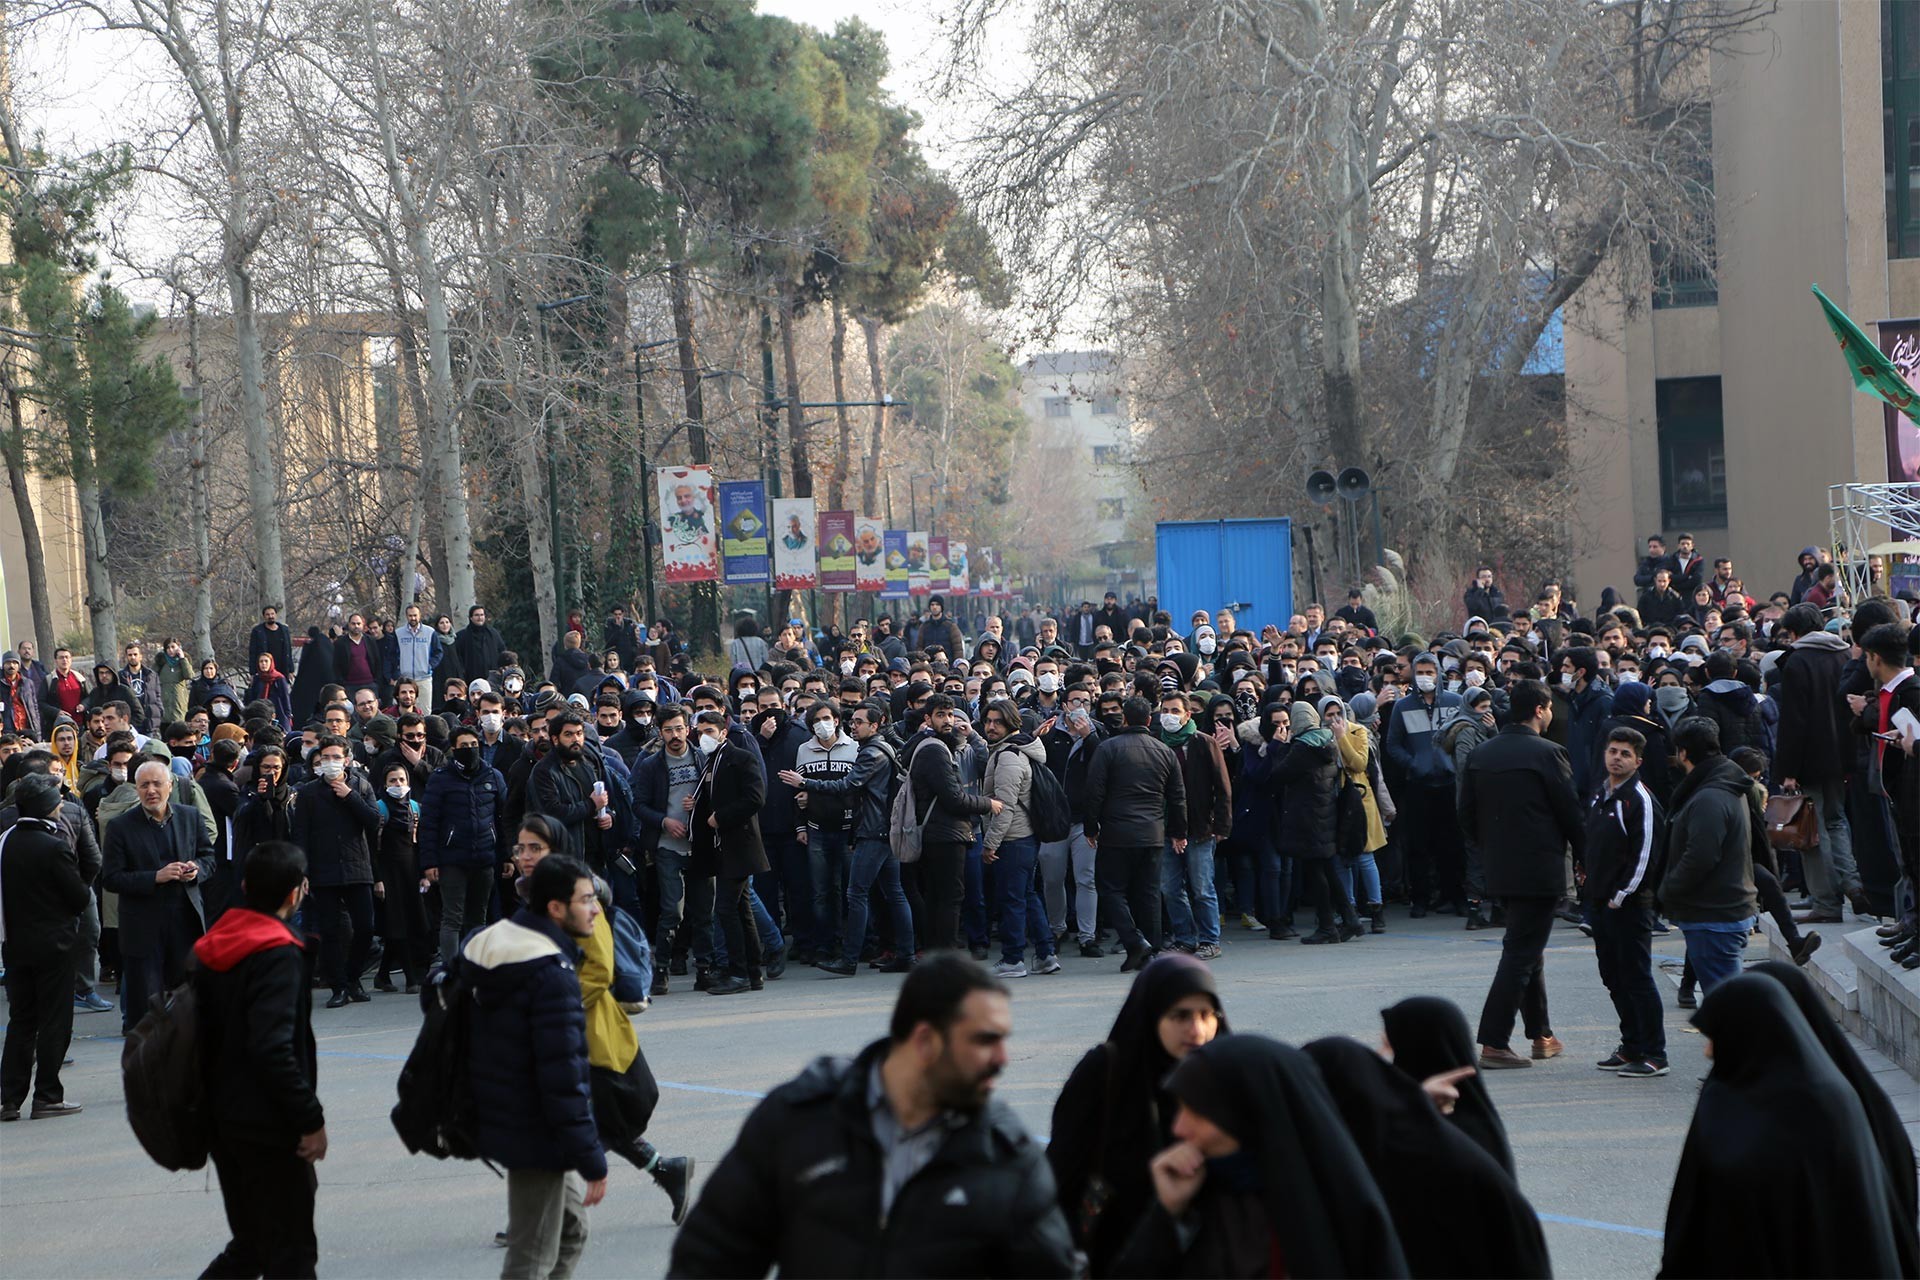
x: 399, y: 792
x: 1656, y: 651
x: 1207, y: 644
x: 119, y: 773
x: 1566, y: 679
x: 1170, y: 722
x: 748, y: 690
x: 846, y: 668
x: 330, y: 768
x: 222, y: 710
x: 709, y: 745
x: 514, y: 685
x: 1475, y: 679
x: 823, y: 729
x: 1423, y: 683
x: 492, y: 722
x: 1048, y: 682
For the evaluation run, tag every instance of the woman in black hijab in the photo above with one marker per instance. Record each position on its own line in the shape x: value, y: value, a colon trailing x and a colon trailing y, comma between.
x: 1429, y: 1036
x: 1263, y: 1179
x: 314, y: 673
x: 1780, y: 1175
x: 1456, y: 1210
x: 1113, y: 1116
x: 1889, y: 1134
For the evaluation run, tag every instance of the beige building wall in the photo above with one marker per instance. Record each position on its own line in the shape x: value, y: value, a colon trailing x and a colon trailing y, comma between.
x: 1799, y: 194
x: 55, y: 508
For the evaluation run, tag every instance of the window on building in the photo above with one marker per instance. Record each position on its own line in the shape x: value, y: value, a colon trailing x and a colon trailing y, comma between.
x: 1106, y: 455
x: 1059, y: 407
x: 1683, y: 271
x: 1106, y: 406
x: 1111, y: 509
x: 1693, y: 452
x: 1900, y: 125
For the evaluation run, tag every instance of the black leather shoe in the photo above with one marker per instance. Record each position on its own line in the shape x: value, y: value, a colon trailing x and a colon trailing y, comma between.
x: 677, y: 966
x: 674, y: 1175
x: 1320, y: 937
x: 729, y: 986
x: 659, y: 987
x: 358, y: 995
x: 339, y: 1000
x: 777, y: 962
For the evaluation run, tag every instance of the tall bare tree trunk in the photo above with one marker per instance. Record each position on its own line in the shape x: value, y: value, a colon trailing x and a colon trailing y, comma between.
x: 530, y: 435
x: 843, y: 455
x: 102, y: 611
x: 877, y: 378
x: 199, y: 493
x: 45, y: 638
x: 796, y: 416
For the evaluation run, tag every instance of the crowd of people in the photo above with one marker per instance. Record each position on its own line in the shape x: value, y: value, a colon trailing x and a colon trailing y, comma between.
x: 406, y: 800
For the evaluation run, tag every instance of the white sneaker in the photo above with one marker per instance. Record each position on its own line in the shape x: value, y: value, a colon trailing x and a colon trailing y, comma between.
x: 1007, y: 970
x: 1050, y: 964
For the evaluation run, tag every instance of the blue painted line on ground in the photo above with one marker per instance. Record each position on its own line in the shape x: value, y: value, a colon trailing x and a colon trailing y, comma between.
x: 1644, y: 1232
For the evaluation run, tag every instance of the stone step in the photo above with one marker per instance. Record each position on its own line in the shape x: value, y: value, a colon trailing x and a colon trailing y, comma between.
x: 1833, y: 968
x: 1889, y: 1000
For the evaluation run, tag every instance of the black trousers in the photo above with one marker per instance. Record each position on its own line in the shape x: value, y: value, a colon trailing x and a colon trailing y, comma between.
x: 144, y: 976
x: 943, y: 866
x: 1128, y: 883
x: 344, y: 915
x: 735, y: 918
x: 1623, y: 945
x: 268, y: 1192
x: 623, y: 1104
x: 1331, y: 905
x: 39, y: 1024
x: 1432, y: 838
x: 1520, y: 982
x: 409, y: 943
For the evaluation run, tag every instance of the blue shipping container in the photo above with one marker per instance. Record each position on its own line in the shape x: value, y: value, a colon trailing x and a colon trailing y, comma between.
x: 1205, y: 564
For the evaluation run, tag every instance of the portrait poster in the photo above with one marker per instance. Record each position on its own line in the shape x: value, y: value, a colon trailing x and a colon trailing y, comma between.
x: 744, y: 557
x: 869, y: 555
x: 957, y: 583
x: 1900, y: 342
x: 919, y: 567
x: 689, y: 536
x: 796, y: 559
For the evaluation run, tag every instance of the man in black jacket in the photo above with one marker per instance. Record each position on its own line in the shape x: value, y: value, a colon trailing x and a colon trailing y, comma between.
x: 256, y: 1014
x: 42, y: 895
x: 1517, y: 801
x: 938, y: 630
x: 1621, y: 844
x: 1136, y: 805
x: 726, y: 843
x: 871, y: 783
x: 1812, y: 749
x: 477, y: 649
x: 1708, y: 886
x: 1070, y: 744
x: 911, y: 1125
x: 334, y: 822
x: 946, y: 810
x: 155, y: 857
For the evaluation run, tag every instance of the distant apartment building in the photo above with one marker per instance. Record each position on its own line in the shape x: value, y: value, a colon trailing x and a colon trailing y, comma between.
x: 1076, y: 404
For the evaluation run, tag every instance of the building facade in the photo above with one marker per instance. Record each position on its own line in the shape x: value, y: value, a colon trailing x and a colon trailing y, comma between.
x: 1076, y: 408
x: 1716, y: 403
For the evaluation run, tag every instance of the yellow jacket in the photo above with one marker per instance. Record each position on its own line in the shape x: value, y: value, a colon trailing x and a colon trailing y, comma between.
x: 1353, y: 745
x: 611, y: 1040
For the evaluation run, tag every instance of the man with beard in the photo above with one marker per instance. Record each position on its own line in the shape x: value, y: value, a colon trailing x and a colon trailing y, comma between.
x: 910, y: 1124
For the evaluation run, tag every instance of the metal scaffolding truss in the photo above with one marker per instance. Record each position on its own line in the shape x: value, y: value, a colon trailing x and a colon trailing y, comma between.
x: 1862, y: 516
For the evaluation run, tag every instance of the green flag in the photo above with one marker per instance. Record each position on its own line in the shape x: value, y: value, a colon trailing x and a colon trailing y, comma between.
x: 1869, y: 367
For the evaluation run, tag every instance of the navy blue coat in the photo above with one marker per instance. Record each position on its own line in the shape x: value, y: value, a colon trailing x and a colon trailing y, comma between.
x: 463, y: 820
x: 528, y: 1056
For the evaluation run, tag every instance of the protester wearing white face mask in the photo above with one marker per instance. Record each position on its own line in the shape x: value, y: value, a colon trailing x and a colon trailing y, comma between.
x: 1413, y: 742
x: 827, y: 755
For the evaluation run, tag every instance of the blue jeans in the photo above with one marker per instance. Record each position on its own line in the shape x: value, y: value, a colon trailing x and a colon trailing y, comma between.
x: 873, y: 867
x: 1714, y: 951
x: 979, y: 891
x: 770, y: 936
x: 1022, y: 913
x: 1186, y: 886
x: 1362, y: 878
x: 827, y: 870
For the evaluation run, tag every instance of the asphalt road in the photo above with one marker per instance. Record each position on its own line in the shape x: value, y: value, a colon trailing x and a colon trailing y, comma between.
x: 1596, y: 1154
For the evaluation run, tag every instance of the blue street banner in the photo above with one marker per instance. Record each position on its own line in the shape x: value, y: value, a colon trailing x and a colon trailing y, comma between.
x: 744, y: 555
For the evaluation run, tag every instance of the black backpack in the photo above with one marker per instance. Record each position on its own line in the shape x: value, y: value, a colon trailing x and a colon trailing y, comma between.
x: 1047, y: 808
x: 161, y: 1077
x: 436, y: 1113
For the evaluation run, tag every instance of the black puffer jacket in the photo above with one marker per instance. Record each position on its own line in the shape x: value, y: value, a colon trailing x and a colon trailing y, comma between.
x: 1307, y: 774
x: 800, y: 1191
x: 936, y: 781
x: 1136, y: 797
